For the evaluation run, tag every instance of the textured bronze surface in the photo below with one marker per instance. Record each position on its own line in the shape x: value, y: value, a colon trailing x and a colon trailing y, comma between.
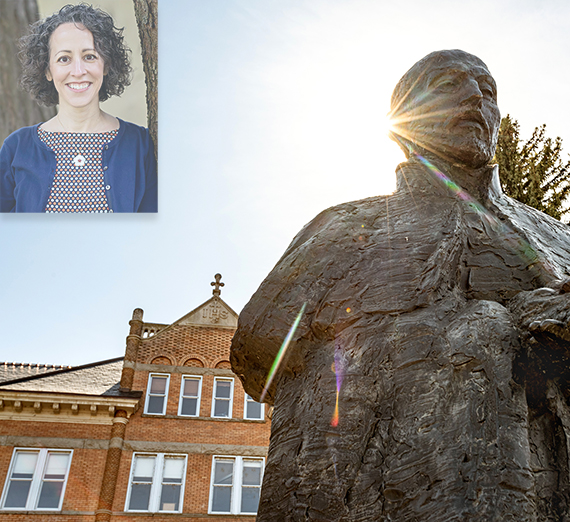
x: 432, y: 303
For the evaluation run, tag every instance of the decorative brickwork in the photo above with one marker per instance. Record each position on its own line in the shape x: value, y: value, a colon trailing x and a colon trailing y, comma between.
x: 112, y: 464
x: 131, y: 352
x: 127, y: 378
x: 195, y: 362
x: 161, y: 359
x: 179, y: 341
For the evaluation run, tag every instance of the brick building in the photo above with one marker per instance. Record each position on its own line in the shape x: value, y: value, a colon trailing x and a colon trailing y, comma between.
x: 165, y: 432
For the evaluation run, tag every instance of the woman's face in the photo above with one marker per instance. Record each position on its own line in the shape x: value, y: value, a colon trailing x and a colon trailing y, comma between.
x: 76, y: 68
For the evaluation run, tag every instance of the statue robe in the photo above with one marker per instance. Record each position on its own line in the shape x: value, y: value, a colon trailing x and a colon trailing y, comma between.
x: 407, y: 312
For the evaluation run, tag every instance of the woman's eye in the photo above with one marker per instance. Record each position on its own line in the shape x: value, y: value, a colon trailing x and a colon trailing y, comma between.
x: 90, y: 57
x: 63, y: 59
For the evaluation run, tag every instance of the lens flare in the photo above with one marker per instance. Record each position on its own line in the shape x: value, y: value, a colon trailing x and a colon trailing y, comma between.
x: 338, y: 368
x: 387, y: 124
x: 458, y: 191
x: 402, y: 135
x: 334, y: 420
x: 281, y: 352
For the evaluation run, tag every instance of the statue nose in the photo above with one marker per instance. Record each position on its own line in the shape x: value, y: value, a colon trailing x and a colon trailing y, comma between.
x: 472, y: 92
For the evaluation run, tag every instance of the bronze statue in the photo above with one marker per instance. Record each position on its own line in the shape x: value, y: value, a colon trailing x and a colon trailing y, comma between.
x: 438, y: 316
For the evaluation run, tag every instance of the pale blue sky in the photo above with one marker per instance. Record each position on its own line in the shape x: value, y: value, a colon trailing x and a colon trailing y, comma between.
x: 270, y: 111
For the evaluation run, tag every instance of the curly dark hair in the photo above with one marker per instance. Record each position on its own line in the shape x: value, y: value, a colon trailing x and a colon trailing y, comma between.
x: 108, y: 41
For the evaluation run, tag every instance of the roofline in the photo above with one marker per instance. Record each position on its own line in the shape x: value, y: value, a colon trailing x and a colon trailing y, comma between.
x: 204, y: 303
x: 59, y: 372
x: 177, y: 322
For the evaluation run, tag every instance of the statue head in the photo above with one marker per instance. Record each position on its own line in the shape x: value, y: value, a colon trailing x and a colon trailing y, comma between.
x: 446, y: 104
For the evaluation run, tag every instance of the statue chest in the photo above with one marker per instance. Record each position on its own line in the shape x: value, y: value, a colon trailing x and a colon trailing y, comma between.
x: 416, y: 257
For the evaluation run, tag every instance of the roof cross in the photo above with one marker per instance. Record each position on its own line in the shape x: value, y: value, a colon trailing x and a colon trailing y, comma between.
x: 216, y: 291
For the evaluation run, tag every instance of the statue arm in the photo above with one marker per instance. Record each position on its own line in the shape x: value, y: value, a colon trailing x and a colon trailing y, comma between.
x: 543, y: 316
x: 267, y: 318
x: 545, y: 311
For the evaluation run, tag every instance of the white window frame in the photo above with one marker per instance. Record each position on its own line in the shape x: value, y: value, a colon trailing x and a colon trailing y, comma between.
x: 37, y: 478
x: 155, y: 488
x: 231, y: 400
x: 235, y: 504
x: 148, y: 395
x: 247, y: 398
x: 184, y: 377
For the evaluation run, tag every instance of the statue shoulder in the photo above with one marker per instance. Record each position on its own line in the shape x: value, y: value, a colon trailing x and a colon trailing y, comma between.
x: 334, y: 222
x: 545, y: 235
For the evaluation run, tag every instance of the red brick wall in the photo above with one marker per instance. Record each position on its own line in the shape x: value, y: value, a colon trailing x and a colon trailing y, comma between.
x: 85, y: 472
x: 29, y: 515
x: 55, y: 429
x: 84, y: 483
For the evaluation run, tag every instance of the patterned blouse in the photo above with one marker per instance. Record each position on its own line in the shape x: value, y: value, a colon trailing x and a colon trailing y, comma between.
x: 78, y: 184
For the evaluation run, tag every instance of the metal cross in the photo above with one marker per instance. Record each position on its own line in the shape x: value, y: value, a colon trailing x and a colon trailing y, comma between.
x: 216, y: 291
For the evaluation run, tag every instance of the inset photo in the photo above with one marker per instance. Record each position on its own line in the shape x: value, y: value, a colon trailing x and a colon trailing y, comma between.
x: 79, y: 105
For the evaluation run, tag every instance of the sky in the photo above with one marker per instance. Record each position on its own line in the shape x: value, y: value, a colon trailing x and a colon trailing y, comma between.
x: 269, y: 112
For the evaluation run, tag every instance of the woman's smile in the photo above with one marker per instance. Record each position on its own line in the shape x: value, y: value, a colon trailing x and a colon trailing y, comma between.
x: 79, y: 87
x: 75, y: 67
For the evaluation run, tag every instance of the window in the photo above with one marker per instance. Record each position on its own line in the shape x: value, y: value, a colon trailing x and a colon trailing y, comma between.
x: 156, y: 483
x: 236, y: 484
x: 223, y: 393
x: 36, y: 479
x: 253, y: 410
x: 190, y: 391
x: 157, y: 393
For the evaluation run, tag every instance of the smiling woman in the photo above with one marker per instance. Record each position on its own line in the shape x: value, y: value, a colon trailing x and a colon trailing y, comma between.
x: 83, y: 159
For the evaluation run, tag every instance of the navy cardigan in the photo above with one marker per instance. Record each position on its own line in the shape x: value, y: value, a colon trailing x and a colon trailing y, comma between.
x: 27, y: 169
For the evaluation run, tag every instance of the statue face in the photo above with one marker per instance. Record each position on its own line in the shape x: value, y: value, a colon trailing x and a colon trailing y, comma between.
x: 454, y: 110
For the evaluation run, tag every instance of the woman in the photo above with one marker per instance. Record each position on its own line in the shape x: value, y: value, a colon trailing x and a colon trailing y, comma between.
x: 83, y: 159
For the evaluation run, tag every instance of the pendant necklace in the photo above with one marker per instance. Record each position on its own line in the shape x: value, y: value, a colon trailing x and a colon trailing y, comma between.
x: 79, y: 159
